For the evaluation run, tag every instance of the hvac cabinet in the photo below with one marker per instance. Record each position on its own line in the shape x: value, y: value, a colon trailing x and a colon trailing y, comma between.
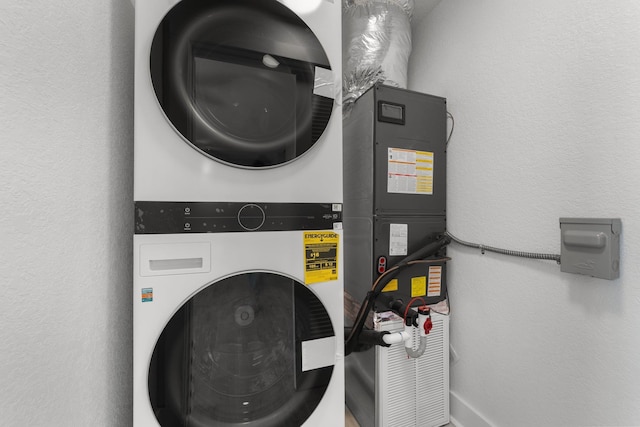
x: 394, y: 204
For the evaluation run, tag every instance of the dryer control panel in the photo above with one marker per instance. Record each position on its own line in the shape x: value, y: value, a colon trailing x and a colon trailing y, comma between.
x: 225, y: 217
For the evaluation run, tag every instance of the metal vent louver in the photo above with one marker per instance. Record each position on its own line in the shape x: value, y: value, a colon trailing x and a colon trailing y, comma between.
x: 397, y: 376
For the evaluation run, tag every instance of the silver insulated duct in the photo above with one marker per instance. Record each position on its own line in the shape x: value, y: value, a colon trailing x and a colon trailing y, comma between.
x: 376, y: 44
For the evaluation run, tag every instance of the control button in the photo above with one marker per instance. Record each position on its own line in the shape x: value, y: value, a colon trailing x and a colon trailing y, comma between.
x: 382, y: 264
x: 251, y: 217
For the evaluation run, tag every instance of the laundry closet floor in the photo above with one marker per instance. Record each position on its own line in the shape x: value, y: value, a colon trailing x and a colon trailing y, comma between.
x: 350, y: 421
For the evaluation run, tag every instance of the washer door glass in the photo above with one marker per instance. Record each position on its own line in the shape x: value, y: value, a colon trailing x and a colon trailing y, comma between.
x: 233, y: 355
x: 245, y: 82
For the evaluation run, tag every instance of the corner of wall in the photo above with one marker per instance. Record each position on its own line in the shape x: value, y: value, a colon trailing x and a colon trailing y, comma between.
x: 464, y: 415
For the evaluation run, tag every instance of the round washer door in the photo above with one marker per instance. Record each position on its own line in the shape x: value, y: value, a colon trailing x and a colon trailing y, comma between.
x: 244, y: 82
x: 233, y: 355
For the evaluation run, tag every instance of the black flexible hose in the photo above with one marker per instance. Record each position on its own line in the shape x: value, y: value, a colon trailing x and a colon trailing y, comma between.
x: 426, y: 251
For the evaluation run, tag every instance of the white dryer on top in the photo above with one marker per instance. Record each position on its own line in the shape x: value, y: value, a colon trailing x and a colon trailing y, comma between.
x: 238, y: 100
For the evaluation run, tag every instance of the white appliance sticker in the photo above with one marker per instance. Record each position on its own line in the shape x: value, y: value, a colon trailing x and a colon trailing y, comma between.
x: 318, y: 353
x: 398, y: 239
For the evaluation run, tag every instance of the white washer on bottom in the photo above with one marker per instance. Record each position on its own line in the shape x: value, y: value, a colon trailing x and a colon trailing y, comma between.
x: 226, y: 333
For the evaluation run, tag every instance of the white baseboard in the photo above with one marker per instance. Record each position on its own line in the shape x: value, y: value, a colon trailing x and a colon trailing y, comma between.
x: 463, y: 415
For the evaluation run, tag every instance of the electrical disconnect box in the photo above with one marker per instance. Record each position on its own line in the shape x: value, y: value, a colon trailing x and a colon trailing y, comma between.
x: 394, y: 205
x: 591, y: 246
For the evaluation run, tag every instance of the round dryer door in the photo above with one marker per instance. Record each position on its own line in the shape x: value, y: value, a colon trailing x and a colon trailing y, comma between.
x: 245, y: 82
x: 234, y: 354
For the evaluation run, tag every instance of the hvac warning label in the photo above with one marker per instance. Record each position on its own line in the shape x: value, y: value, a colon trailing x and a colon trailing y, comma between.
x: 409, y: 171
x: 418, y: 286
x: 398, y: 239
x: 434, y: 287
x: 320, y: 256
x: 392, y: 286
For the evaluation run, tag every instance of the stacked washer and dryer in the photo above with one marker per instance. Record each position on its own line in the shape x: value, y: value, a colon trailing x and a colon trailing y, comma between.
x: 237, y: 291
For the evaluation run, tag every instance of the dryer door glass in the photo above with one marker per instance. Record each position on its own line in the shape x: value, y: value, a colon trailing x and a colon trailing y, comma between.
x: 234, y: 354
x: 244, y: 82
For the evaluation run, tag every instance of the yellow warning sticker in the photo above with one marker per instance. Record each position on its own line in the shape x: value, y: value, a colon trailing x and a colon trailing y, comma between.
x: 410, y: 171
x: 391, y: 286
x: 320, y: 256
x: 435, y: 281
x: 418, y: 286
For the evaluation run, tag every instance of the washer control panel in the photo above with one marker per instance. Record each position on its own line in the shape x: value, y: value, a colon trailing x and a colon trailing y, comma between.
x: 225, y: 217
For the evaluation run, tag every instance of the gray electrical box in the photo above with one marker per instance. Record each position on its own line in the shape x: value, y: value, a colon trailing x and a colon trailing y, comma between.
x: 591, y: 246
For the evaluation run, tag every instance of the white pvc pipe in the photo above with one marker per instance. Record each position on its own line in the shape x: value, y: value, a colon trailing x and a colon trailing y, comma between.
x: 396, y: 337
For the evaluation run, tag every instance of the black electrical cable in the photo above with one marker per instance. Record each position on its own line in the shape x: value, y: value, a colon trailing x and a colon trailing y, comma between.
x: 377, y: 287
x: 453, y: 123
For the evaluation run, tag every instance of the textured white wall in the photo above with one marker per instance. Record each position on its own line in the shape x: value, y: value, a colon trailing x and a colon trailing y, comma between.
x: 546, y: 97
x: 66, y: 223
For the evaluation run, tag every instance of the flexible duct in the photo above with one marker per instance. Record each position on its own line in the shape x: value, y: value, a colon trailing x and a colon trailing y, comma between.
x: 376, y: 44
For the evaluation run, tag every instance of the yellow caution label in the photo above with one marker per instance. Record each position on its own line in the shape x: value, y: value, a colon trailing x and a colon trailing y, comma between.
x: 418, y: 286
x: 410, y: 171
x: 320, y: 256
x: 391, y: 286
